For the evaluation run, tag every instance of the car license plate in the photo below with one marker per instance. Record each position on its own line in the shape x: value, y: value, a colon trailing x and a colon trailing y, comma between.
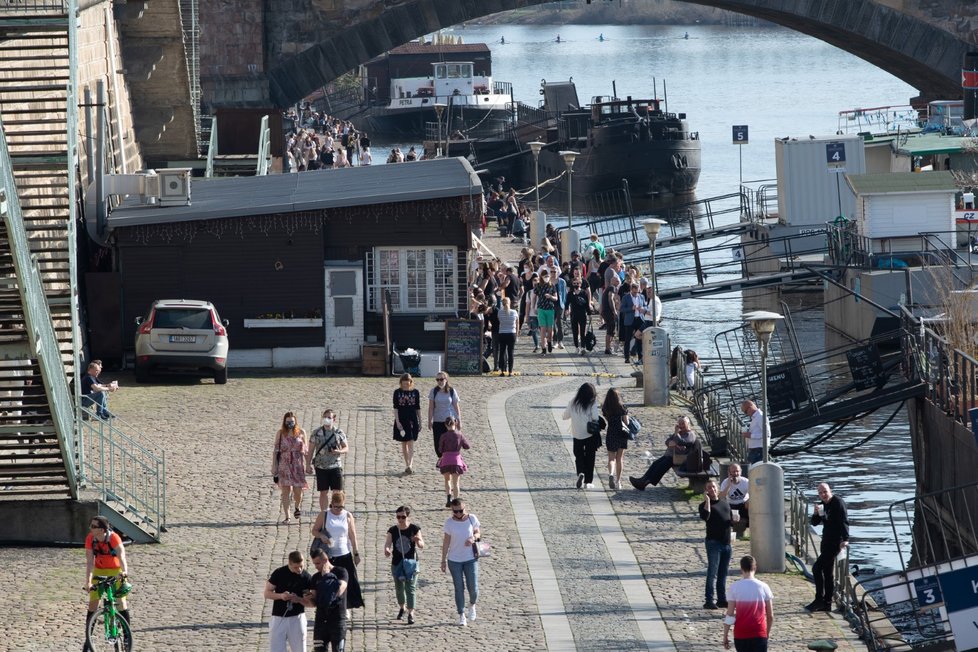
x: 188, y: 339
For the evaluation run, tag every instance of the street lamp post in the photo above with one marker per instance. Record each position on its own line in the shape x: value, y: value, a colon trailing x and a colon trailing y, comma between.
x: 766, y: 478
x: 439, y: 109
x: 535, y: 147
x: 652, y: 227
x: 569, y: 157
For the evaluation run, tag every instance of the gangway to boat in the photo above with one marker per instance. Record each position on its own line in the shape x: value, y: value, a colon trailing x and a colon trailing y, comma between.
x: 831, y: 388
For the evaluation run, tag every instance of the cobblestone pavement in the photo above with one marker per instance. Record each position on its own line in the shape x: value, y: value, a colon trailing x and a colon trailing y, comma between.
x: 201, y: 588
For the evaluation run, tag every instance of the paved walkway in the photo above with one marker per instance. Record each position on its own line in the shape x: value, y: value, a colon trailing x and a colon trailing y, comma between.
x: 571, y: 570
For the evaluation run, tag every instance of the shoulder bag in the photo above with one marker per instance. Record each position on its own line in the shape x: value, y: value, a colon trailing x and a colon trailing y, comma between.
x: 634, y: 427
x: 480, y: 548
x: 406, y: 569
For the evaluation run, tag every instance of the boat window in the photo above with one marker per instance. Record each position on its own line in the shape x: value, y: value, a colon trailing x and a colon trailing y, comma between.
x: 467, y: 71
x: 454, y: 71
x: 440, y: 71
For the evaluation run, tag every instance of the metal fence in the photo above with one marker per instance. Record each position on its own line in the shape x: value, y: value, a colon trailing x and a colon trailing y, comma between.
x: 9, y: 7
x: 124, y: 469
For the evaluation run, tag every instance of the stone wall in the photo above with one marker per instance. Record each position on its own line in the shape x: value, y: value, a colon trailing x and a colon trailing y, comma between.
x: 159, y: 80
x: 232, y: 52
x: 98, y: 43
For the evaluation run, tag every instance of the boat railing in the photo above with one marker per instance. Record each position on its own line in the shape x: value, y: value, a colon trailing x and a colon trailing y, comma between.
x: 951, y: 374
x: 846, y: 247
x: 879, y: 120
x: 502, y: 88
x: 944, y: 254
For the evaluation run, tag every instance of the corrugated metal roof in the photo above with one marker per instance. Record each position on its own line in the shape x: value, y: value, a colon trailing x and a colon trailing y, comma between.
x: 926, y: 144
x: 876, y: 184
x: 428, y: 48
x: 307, y: 191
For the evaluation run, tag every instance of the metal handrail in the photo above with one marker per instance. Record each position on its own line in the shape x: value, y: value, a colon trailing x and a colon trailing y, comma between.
x: 123, y: 469
x: 71, y: 125
x: 211, y: 148
x: 37, y: 318
x: 264, y: 147
x: 33, y: 6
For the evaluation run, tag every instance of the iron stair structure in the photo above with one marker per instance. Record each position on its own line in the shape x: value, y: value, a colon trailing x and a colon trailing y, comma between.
x: 37, y: 305
x: 50, y: 447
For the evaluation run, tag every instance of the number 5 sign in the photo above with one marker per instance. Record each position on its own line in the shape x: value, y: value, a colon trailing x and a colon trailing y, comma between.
x: 740, y: 134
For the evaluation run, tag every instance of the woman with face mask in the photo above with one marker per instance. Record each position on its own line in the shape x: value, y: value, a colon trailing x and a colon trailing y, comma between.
x: 288, y: 471
x: 327, y: 446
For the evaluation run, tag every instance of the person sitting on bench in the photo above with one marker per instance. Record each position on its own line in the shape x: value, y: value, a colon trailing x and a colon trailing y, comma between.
x: 680, y: 441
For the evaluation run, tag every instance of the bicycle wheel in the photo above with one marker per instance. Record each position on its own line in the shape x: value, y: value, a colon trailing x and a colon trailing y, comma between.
x: 98, y: 636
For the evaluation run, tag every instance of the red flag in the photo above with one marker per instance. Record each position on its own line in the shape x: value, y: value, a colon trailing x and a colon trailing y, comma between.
x: 969, y: 79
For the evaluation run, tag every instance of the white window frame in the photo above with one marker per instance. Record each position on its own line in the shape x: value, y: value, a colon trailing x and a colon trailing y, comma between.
x: 404, y: 294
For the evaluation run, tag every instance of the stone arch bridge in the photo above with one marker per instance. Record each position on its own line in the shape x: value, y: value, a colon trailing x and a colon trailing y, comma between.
x: 260, y: 54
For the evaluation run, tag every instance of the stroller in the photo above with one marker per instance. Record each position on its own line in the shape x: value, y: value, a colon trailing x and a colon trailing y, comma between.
x: 410, y: 360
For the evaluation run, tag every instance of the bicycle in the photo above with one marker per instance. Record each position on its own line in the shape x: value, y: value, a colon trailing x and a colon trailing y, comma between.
x: 108, y: 630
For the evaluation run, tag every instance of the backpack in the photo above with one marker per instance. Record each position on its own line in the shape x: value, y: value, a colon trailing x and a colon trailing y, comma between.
x: 327, y: 588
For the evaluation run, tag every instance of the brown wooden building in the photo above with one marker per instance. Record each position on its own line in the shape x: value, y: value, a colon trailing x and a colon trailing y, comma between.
x: 298, y: 263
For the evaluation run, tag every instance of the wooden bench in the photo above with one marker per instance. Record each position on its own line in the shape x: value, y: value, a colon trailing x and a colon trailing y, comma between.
x: 697, y: 479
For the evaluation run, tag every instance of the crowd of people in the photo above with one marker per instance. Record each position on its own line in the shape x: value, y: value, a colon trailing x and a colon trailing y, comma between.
x: 550, y: 297
x: 316, y: 141
x: 335, y: 546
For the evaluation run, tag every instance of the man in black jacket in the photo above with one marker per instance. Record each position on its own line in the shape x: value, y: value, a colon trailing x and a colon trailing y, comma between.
x: 716, y: 512
x: 830, y: 512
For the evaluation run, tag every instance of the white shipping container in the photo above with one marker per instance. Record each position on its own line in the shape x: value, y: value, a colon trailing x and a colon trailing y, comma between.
x: 807, y: 190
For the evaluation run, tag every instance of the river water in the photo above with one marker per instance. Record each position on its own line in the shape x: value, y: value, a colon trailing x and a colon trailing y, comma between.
x: 779, y: 83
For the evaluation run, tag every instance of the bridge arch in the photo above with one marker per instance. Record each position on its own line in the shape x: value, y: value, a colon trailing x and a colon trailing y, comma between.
x: 914, y: 49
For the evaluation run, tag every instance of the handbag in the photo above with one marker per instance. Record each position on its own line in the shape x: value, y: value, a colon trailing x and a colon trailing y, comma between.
x: 590, y: 340
x: 634, y: 427
x: 319, y: 544
x: 405, y: 570
x: 479, y: 547
x: 594, y: 427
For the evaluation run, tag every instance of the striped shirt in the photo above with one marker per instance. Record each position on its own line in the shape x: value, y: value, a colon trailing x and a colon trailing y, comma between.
x: 508, y: 320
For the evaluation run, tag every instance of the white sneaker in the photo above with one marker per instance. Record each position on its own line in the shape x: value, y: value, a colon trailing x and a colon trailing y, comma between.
x: 461, y: 620
x: 589, y: 485
x: 472, y: 613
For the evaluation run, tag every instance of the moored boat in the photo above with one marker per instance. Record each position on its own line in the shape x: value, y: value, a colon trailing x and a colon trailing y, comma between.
x: 403, y: 89
x: 631, y: 139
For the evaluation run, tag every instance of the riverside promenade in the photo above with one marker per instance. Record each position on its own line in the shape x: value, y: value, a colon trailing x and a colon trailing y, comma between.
x: 571, y: 570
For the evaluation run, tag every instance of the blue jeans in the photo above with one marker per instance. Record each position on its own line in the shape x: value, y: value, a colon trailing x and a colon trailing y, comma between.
x: 718, y: 561
x: 466, y: 573
x: 100, y: 400
x: 755, y: 455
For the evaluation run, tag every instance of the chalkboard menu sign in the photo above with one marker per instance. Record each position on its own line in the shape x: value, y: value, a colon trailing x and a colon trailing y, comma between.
x: 463, y: 346
x: 785, y: 389
x: 865, y: 366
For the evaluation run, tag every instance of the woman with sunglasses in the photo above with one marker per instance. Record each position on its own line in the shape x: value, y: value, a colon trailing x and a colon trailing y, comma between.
x: 442, y: 403
x: 288, y: 463
x: 336, y: 530
x: 105, y: 556
x: 404, y: 541
x: 461, y: 532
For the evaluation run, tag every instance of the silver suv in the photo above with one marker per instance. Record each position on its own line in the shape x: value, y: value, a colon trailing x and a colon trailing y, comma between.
x: 182, y: 334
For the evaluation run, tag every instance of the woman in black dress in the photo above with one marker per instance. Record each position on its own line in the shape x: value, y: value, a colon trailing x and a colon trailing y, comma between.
x: 616, y: 441
x: 407, y: 419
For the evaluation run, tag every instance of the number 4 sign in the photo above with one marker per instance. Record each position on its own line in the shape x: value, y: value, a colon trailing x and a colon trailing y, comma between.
x: 835, y: 156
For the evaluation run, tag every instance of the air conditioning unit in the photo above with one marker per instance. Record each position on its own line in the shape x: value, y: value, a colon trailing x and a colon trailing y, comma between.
x: 174, y: 187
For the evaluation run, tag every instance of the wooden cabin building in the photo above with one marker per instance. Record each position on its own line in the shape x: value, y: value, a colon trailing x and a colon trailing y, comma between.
x: 299, y: 263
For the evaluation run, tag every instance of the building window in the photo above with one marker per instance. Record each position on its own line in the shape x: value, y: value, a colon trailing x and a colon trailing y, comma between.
x: 419, y: 280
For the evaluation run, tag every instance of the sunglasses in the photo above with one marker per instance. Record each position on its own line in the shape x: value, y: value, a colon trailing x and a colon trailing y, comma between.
x: 440, y: 380
x: 336, y: 506
x: 401, y: 517
x: 458, y: 511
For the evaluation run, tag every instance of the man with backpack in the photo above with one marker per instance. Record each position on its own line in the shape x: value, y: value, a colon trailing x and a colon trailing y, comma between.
x: 327, y: 446
x: 328, y: 595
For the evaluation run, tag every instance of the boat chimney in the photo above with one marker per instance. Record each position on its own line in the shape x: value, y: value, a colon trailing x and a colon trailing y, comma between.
x: 969, y: 85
